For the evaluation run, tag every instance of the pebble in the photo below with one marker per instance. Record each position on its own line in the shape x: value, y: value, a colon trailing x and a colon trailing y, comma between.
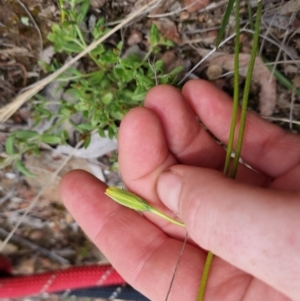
x: 134, y: 38
x: 184, y: 16
x: 213, y: 71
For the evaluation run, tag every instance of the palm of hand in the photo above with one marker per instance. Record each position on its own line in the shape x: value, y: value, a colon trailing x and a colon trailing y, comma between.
x: 145, y: 251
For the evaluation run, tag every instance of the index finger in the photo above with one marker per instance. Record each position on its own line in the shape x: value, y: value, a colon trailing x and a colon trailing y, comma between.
x: 266, y: 147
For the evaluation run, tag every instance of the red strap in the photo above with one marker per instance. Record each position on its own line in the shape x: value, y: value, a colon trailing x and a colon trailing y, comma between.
x: 59, y: 280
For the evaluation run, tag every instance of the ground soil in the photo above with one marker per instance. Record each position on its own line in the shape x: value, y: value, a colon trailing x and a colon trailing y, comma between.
x: 22, y: 42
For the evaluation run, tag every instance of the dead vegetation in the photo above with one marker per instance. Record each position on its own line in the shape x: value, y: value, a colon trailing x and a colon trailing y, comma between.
x: 49, y: 238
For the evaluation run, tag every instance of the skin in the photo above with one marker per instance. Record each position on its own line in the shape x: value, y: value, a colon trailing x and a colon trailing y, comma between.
x: 251, y: 224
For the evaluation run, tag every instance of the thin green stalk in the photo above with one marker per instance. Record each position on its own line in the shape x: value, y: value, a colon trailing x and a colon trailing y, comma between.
x: 236, y: 90
x: 205, y: 274
x: 57, y: 124
x: 247, y: 90
x: 62, y: 12
x: 81, y: 38
x: 210, y: 255
x: 225, y: 21
x: 250, y: 15
x: 84, y: 75
x: 281, y: 78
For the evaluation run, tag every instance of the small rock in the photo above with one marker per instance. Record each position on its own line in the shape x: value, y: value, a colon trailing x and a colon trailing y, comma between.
x: 201, y: 18
x: 96, y: 4
x: 9, y: 249
x: 214, y: 71
x: 184, y: 15
x: 36, y: 235
x: 134, y: 38
x: 10, y: 175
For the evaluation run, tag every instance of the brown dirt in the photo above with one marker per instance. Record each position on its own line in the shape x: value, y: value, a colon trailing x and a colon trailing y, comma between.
x: 49, y: 225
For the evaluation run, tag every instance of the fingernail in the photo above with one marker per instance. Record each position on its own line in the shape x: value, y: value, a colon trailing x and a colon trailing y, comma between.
x: 168, y: 189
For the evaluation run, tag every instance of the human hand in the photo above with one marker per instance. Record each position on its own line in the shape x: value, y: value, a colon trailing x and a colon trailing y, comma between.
x: 252, y: 223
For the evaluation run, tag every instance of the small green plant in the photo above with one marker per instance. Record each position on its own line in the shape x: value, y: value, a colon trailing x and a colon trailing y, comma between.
x: 102, y: 96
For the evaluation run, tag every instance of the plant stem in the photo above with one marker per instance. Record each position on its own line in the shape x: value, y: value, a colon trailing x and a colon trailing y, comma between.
x: 236, y: 89
x: 250, y: 15
x: 233, y: 173
x: 205, y: 274
x: 81, y: 38
x: 62, y: 12
x: 281, y: 78
x: 247, y: 90
x: 166, y: 217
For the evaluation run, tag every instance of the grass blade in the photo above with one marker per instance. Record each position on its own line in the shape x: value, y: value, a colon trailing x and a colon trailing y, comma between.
x: 236, y: 89
x: 23, y: 169
x: 225, y: 21
x: 205, y: 274
x: 247, y: 90
x: 210, y: 255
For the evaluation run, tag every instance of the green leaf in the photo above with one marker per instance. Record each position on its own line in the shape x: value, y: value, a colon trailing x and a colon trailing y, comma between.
x: 9, y: 145
x: 154, y: 35
x: 95, y: 118
x: 117, y: 115
x: 225, y: 21
x: 98, y: 50
x: 123, y: 75
x: 101, y: 133
x: 23, y: 169
x: 87, y: 141
x: 111, y: 132
x: 86, y: 114
x: 36, y: 150
x: 139, y: 96
x: 100, y: 22
x: 109, y: 57
x: 26, y: 134
x: 120, y: 45
x: 175, y: 71
x: 159, y: 65
x: 133, y: 61
x: 50, y: 139
x: 168, y: 43
x: 107, y: 98
x: 71, y: 47
x: 51, y: 37
x: 85, y: 126
x: 84, y: 7
x: 145, y: 81
x: 164, y: 80
x: 56, y: 28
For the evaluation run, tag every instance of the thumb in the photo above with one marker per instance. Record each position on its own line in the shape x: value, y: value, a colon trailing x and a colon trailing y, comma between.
x: 254, y: 229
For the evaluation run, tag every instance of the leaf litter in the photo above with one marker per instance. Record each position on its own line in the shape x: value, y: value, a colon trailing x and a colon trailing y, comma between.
x: 49, y: 225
